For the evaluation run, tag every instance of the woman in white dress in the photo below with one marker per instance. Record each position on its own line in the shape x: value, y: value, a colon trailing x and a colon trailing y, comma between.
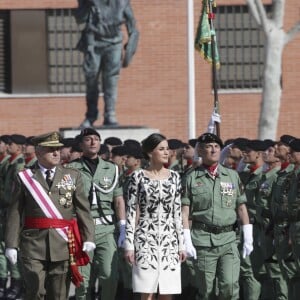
x: 154, y: 235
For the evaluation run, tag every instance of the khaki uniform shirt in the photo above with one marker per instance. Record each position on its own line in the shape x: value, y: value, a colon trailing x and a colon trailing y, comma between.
x: 213, y: 202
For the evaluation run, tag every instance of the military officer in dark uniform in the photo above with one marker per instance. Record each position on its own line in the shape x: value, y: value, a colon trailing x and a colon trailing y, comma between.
x: 40, y: 225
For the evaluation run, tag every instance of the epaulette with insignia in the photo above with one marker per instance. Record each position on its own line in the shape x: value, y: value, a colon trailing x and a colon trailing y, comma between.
x: 20, y: 160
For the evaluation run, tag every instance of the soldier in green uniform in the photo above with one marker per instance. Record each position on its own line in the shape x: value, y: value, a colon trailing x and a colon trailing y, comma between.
x: 16, y: 164
x: 213, y: 196
x: 188, y: 277
x: 263, y: 202
x: 29, y: 153
x: 119, y: 156
x: 102, y: 188
x: 252, y: 267
x: 101, y: 43
x: 279, y: 210
x: 41, y: 226
x: 175, y: 155
x: 133, y: 162
x: 4, y: 161
x: 294, y: 213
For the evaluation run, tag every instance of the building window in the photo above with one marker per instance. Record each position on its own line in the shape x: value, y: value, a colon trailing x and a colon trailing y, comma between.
x: 241, y: 48
x: 64, y: 60
x: 5, y: 73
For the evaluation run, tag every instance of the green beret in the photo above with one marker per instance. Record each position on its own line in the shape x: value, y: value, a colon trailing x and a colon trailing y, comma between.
x: 87, y: 132
x: 295, y: 145
x: 18, y: 139
x: 175, y: 144
x: 286, y: 139
x: 5, y: 138
x: 113, y: 141
x: 257, y: 145
x: 210, y: 138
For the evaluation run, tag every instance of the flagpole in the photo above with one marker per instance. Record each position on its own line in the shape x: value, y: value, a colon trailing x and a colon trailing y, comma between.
x: 211, y: 16
x: 191, y: 69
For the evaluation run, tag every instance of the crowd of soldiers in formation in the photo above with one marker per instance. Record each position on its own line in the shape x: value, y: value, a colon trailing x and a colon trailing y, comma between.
x: 269, y: 171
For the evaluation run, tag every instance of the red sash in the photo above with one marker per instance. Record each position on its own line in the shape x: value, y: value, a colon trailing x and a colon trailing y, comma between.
x: 81, y: 257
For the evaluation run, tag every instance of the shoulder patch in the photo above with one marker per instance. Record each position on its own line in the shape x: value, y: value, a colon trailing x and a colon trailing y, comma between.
x: 20, y: 160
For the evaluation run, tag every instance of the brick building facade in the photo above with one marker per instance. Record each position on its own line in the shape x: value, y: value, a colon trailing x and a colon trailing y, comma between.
x: 153, y: 91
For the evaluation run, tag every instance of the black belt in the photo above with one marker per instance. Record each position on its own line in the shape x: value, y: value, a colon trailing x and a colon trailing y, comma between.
x: 212, y: 228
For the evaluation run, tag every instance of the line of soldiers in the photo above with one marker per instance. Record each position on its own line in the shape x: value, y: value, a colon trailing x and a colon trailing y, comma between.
x: 16, y: 153
x: 269, y: 172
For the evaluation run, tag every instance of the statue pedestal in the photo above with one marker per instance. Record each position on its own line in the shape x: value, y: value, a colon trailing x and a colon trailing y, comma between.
x: 123, y: 132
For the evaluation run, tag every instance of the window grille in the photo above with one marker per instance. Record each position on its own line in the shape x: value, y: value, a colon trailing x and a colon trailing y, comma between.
x: 5, y: 73
x: 241, y: 48
x: 64, y: 60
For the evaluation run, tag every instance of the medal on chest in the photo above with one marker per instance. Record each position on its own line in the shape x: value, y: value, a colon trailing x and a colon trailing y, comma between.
x: 68, y: 185
x: 227, y: 188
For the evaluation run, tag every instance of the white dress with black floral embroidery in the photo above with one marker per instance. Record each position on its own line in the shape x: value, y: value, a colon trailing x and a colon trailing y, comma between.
x: 157, y: 237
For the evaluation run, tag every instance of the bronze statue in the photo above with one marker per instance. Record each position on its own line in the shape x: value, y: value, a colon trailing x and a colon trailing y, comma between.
x: 102, y: 44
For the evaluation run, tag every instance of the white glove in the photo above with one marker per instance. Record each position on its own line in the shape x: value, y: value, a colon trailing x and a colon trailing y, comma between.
x: 122, y: 236
x: 248, y: 239
x: 12, y: 255
x: 190, y: 249
x: 88, y: 246
x: 216, y: 117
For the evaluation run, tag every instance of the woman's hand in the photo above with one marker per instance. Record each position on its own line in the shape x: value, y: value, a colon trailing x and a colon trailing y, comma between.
x: 129, y: 256
x: 182, y: 256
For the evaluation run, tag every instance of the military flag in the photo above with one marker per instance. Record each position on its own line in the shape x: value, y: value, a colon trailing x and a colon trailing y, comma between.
x: 205, y: 34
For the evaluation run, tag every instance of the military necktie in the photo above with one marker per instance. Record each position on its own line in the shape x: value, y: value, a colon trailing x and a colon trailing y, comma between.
x: 49, y: 177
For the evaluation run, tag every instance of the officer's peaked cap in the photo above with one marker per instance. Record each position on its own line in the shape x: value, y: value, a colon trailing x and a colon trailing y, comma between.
x: 50, y: 139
